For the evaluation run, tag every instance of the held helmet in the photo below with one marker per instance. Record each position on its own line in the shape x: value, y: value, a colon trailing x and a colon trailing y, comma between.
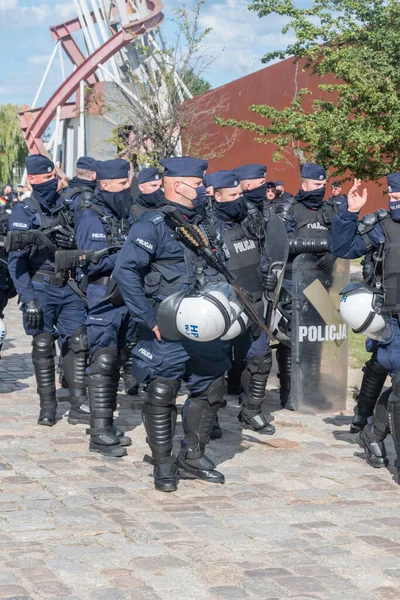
x: 361, y: 307
x: 201, y: 315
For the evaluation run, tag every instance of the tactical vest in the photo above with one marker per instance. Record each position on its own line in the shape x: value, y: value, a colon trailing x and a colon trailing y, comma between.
x: 244, y: 261
x: 391, y: 279
x: 312, y: 224
x: 137, y: 210
x: 115, y: 229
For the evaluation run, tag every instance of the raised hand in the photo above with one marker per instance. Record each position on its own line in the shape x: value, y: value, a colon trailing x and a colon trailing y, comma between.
x: 355, y: 201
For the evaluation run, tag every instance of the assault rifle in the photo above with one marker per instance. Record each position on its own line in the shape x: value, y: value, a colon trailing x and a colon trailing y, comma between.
x: 69, y: 259
x: 18, y: 240
x: 192, y: 237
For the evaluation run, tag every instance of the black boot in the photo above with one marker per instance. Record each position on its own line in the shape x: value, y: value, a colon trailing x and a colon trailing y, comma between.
x: 103, y: 387
x: 372, y: 436
x: 284, y: 360
x: 123, y: 439
x: 131, y: 386
x: 74, y: 367
x: 216, y: 432
x: 43, y: 353
x: 371, y: 387
x: 198, y: 418
x: 394, y: 418
x: 254, y: 382
x: 159, y: 420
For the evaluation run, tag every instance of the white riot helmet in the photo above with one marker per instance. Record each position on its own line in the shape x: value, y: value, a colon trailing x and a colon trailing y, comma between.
x: 3, y: 332
x: 361, y: 308
x: 201, y: 316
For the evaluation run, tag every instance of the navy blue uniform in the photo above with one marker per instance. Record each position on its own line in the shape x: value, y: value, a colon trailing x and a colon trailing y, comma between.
x: 347, y: 243
x: 150, y: 242
x: 108, y: 326
x: 32, y: 271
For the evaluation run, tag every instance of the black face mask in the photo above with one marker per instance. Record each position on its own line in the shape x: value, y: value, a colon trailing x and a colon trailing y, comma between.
x: 152, y: 199
x: 46, y: 192
x: 256, y: 195
x: 236, y: 210
x: 312, y: 199
x: 119, y: 202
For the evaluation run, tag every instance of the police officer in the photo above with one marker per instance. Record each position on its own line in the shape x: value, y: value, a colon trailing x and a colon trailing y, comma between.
x: 352, y: 239
x: 250, y: 352
x: 271, y: 193
x: 337, y: 196
x: 84, y: 181
x: 7, y: 289
x: 307, y: 219
x: 252, y: 181
x: 150, y: 267
x: 50, y: 307
x: 280, y: 192
x: 149, y: 182
x: 102, y: 221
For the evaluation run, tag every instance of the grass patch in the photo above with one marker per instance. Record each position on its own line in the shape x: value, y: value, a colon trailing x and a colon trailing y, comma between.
x: 356, y: 261
x: 357, y: 353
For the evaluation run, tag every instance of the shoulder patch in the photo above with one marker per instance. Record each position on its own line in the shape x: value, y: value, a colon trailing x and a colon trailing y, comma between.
x: 156, y: 219
x: 19, y: 225
x: 144, y: 243
x: 98, y: 236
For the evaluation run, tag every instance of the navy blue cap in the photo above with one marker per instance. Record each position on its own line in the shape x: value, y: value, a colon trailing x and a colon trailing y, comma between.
x: 37, y: 164
x: 271, y: 184
x: 336, y: 184
x: 86, y: 162
x: 393, y: 181
x: 208, y: 179
x: 225, y: 179
x: 251, y: 171
x: 184, y: 166
x: 148, y: 174
x: 118, y: 168
x: 279, y: 182
x: 313, y: 171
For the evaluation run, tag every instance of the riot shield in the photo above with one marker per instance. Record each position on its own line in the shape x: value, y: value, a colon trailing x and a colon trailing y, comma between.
x: 319, y: 337
x: 277, y: 251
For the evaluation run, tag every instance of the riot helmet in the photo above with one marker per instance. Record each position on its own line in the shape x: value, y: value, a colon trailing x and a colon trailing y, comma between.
x: 361, y: 307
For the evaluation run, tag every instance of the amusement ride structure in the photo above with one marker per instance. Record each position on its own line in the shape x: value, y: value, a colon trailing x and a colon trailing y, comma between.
x: 103, y: 44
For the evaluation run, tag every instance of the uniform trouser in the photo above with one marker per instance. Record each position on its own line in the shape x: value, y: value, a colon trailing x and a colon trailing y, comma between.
x: 242, y: 349
x: 167, y: 360
x: 388, y: 354
x: 63, y: 314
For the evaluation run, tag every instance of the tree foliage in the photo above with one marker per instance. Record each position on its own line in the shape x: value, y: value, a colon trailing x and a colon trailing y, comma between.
x: 355, y: 127
x: 12, y: 144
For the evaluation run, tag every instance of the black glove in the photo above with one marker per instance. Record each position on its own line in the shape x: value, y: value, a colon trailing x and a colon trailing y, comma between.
x: 64, y: 239
x: 326, y: 261
x: 269, y: 282
x: 32, y: 313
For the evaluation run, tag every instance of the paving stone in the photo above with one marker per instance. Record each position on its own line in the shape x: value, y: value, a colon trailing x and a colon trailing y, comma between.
x: 7, y: 591
x: 228, y: 592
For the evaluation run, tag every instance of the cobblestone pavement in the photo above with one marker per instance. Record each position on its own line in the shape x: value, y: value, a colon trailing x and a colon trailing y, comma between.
x: 301, y: 516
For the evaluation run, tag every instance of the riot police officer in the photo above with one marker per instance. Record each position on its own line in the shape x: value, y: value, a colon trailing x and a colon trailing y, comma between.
x: 250, y: 352
x: 84, y: 181
x: 351, y: 239
x: 102, y: 221
x: 337, y: 195
x: 50, y: 306
x: 151, y: 266
x: 280, y: 192
x: 307, y: 219
x: 149, y: 182
x: 252, y: 181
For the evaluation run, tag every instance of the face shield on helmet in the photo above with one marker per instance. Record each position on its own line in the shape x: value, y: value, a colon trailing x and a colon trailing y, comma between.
x: 201, y: 316
x: 361, y: 308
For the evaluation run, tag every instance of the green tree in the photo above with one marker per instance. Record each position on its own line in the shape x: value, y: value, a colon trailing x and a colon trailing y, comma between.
x: 12, y: 144
x: 355, y: 127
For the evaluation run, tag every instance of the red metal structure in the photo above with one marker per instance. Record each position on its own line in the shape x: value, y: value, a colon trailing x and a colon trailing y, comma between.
x: 35, y: 122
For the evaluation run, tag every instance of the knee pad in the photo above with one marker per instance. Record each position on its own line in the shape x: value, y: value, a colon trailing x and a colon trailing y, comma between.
x: 104, y: 362
x: 162, y: 391
x: 260, y: 364
x: 43, y: 346
x: 373, y: 364
x: 395, y: 396
x: 215, y: 392
x: 78, y: 341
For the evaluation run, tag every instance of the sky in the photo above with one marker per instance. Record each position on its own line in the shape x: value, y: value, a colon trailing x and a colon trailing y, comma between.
x: 238, y: 41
